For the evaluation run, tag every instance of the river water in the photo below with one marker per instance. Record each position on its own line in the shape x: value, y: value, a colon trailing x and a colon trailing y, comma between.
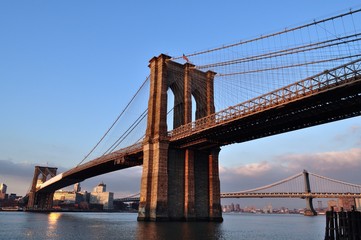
x: 25, y: 225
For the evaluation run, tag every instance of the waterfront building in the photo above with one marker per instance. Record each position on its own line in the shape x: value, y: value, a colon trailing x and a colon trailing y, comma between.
x: 332, y: 203
x: 237, y: 208
x: 100, y: 188
x: 268, y: 208
x: 12, y: 196
x: 358, y: 204
x: 3, y: 189
x: 346, y: 203
x: 284, y: 210
x: 319, y: 204
x: 68, y: 197
x: 100, y: 196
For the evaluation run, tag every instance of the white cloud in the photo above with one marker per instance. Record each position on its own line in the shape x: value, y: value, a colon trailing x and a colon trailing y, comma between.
x: 323, y: 162
x: 254, y: 169
x: 341, y: 165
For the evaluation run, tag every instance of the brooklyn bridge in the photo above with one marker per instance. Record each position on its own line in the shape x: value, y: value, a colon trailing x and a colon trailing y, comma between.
x: 198, y: 102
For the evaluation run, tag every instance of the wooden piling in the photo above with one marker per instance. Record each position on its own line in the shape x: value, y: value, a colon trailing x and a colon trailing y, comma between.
x: 343, y: 225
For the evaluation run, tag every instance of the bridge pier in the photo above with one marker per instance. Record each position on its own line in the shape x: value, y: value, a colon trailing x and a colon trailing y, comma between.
x: 309, y: 211
x: 179, y: 183
x: 41, y: 201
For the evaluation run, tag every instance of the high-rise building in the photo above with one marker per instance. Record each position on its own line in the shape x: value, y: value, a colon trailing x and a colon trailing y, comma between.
x: 77, y: 187
x: 3, y: 188
x: 232, y: 207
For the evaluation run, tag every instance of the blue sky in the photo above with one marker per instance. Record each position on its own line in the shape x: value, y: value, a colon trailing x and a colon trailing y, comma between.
x: 67, y: 69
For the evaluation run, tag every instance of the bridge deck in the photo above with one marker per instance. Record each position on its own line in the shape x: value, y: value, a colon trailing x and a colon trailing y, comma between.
x: 330, y: 96
x: 121, y: 159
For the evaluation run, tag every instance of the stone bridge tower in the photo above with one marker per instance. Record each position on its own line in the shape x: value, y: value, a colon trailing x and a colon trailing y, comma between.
x: 178, y: 183
x: 41, y: 201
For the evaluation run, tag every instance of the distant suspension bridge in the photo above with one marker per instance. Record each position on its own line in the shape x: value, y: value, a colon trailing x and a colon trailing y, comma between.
x: 301, y: 185
x: 296, y: 186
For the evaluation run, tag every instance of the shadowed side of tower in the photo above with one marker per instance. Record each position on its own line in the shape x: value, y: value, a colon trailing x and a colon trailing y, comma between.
x: 179, y: 183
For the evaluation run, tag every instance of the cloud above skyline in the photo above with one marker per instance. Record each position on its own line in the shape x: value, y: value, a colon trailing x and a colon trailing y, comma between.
x: 340, y: 165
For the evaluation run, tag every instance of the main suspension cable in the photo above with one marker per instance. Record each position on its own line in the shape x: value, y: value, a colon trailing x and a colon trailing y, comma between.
x: 268, y: 35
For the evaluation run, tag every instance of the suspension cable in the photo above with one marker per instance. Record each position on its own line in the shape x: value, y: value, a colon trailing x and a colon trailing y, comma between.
x: 300, y: 49
x: 288, y: 66
x: 273, y: 184
x: 269, y: 35
x: 116, y: 120
x: 335, y: 181
x: 126, y: 133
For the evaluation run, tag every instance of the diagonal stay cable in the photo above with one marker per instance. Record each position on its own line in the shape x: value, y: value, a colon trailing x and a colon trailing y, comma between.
x: 116, y: 120
x: 126, y: 133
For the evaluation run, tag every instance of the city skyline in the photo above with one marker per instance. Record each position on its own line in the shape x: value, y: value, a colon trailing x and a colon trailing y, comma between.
x: 51, y: 73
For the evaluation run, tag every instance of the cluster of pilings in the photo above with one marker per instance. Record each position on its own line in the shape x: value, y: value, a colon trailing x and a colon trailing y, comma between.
x: 343, y: 225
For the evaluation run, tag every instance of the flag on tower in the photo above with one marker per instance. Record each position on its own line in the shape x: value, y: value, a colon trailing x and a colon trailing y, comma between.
x: 185, y: 58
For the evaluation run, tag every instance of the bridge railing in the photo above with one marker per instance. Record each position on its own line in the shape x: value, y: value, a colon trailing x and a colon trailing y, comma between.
x: 295, y: 91
x: 116, y: 156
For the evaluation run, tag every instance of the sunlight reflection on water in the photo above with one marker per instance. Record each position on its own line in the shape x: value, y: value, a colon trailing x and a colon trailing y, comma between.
x: 52, y: 224
x: 20, y: 225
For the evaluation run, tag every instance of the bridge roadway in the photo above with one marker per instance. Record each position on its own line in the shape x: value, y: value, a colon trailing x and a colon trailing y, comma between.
x: 291, y: 195
x: 121, y: 159
x: 302, y: 195
x: 329, y: 96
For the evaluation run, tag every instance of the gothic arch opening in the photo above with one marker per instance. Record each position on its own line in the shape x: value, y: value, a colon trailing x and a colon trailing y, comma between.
x: 194, y: 109
x: 170, y: 110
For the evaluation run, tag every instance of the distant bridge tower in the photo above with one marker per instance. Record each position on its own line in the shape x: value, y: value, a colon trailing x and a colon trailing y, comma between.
x: 41, y: 201
x: 310, y: 211
x: 178, y: 182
